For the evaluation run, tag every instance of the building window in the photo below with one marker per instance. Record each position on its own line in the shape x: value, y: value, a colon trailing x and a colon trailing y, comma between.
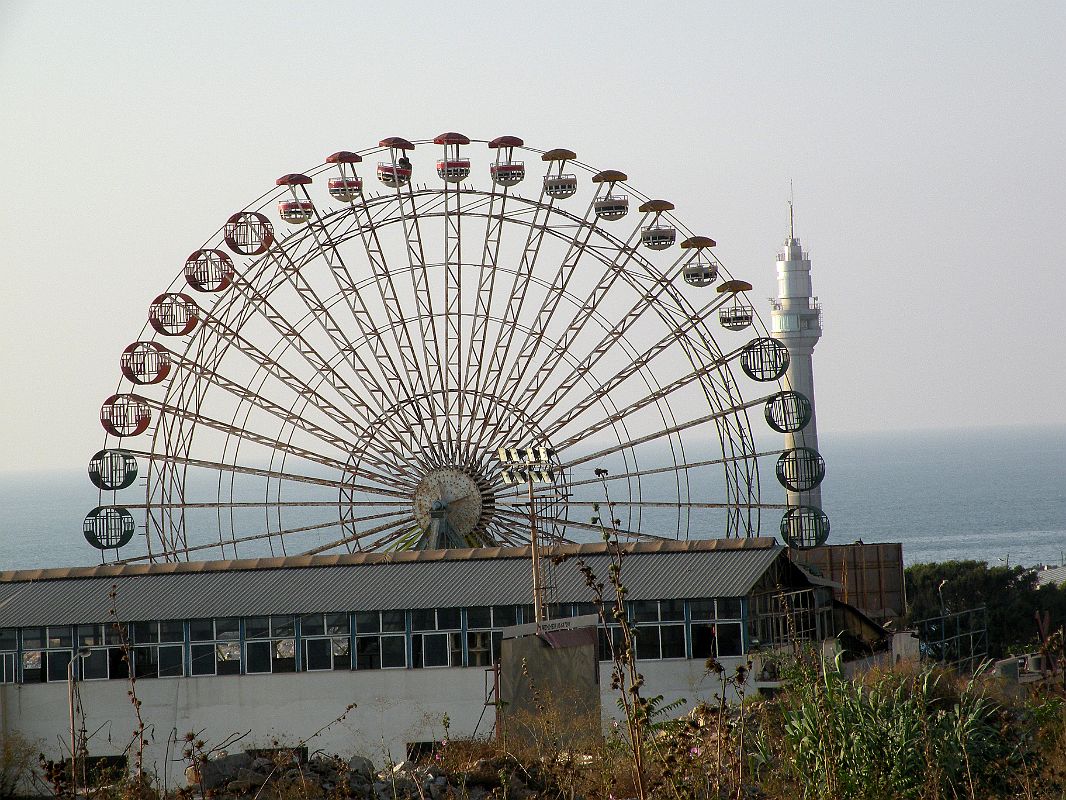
x: 484, y: 636
x: 559, y: 610
x: 437, y: 640
x: 780, y: 617
x: 325, y: 641
x: 380, y: 640
x: 659, y: 628
x: 8, y: 655
x: 716, y: 627
x: 270, y: 645
x: 46, y: 652
x: 158, y: 649
x: 614, y: 644
x: 215, y: 646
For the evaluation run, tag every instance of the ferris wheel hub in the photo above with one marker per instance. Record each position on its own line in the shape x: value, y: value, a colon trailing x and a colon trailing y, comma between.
x: 449, y: 495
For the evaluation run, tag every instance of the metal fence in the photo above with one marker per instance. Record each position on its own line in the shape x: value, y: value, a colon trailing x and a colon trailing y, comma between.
x: 958, y: 639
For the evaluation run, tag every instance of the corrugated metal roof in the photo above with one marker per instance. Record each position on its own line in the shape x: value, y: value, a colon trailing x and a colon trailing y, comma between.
x: 1051, y: 575
x: 719, y: 568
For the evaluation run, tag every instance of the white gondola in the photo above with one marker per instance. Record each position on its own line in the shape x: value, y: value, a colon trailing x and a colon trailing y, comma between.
x: 560, y: 186
x: 453, y: 170
x: 612, y: 206
x: 393, y: 175
x: 658, y: 237
x: 509, y: 173
x: 700, y: 272
x: 295, y: 212
x: 736, y: 317
x: 346, y: 189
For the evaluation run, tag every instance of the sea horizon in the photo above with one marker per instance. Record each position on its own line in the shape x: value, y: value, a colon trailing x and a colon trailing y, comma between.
x: 995, y: 494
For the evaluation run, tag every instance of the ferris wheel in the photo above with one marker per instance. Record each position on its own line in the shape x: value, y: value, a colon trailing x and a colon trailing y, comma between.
x: 449, y: 350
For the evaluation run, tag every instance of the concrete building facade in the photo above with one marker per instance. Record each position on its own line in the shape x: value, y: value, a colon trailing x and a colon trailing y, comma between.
x: 280, y: 647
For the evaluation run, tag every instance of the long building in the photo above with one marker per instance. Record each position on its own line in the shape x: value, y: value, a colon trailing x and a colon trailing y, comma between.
x: 280, y: 646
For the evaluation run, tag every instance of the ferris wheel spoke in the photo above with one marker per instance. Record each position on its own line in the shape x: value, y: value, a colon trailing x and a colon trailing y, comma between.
x: 256, y: 399
x: 397, y: 387
x: 556, y: 290
x: 588, y: 526
x: 256, y: 301
x: 533, y: 378
x: 325, y: 525
x: 381, y: 395
x: 182, y: 551
x: 499, y: 354
x: 364, y: 318
x: 613, y: 336
x: 416, y: 259
x: 490, y: 255
x: 375, y: 253
x: 513, y: 529
x: 511, y: 532
x: 189, y: 415
x: 357, y: 537
x: 220, y: 466
x: 636, y: 364
x: 661, y: 284
x: 597, y: 396
x: 453, y: 312
x: 268, y: 365
x: 615, y: 266
x: 669, y: 504
x: 299, y: 344
x: 675, y: 467
x: 664, y: 432
x: 269, y: 504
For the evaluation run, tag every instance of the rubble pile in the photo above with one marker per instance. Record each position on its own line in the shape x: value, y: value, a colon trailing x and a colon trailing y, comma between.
x: 244, y: 777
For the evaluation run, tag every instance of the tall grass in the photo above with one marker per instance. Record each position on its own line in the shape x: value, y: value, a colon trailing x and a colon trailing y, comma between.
x: 906, y: 734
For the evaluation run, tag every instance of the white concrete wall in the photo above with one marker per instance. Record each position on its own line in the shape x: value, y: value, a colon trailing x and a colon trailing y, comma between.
x: 394, y: 707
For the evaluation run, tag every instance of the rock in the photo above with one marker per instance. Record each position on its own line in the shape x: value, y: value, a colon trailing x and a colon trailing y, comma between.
x: 213, y: 773
x: 358, y: 780
x: 251, y: 777
x: 485, y: 772
x: 361, y: 765
x: 264, y: 765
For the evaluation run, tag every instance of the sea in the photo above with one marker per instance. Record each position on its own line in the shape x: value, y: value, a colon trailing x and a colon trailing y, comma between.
x: 996, y: 495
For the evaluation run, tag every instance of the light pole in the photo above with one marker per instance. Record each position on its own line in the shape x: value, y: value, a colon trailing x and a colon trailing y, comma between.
x: 530, y: 465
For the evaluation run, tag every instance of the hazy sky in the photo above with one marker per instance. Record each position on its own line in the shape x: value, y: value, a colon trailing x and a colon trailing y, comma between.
x: 926, y: 142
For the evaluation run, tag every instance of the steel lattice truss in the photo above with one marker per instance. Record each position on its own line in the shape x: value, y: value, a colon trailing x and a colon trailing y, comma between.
x: 336, y: 368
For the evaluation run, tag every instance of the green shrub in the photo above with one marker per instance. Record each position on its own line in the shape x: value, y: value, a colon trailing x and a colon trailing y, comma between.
x: 894, y: 735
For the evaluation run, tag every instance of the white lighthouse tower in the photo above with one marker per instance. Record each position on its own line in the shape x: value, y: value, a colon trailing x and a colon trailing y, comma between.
x: 797, y: 323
